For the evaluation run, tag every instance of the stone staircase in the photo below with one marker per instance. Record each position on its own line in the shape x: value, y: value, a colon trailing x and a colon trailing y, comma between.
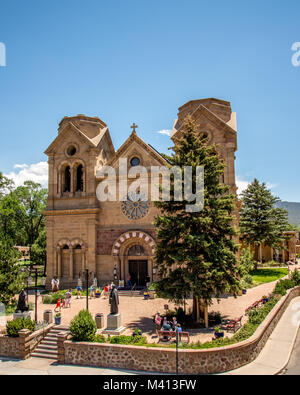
x: 47, y: 348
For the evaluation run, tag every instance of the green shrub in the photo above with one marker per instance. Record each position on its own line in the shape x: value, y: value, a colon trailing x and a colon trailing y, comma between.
x: 99, y: 339
x: 295, y: 277
x: 282, y: 286
x: 123, y: 339
x: 13, y: 327
x: 152, y: 287
x: 248, y: 279
x: 256, y: 316
x: 53, y: 298
x: 83, y: 327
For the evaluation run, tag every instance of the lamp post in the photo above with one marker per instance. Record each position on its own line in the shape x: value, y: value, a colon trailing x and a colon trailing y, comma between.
x: 87, y: 288
x: 177, y: 340
x: 35, y: 291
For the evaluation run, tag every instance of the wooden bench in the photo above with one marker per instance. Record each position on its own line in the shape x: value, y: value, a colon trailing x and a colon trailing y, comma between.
x: 171, y: 334
x: 234, y: 325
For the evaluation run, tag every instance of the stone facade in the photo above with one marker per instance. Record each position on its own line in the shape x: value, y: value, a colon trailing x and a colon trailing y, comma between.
x: 83, y: 232
x: 215, y: 360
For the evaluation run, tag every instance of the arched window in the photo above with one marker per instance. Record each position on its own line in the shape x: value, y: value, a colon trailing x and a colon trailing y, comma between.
x: 67, y: 184
x: 79, y: 179
x: 136, y: 250
x: 78, y: 247
x: 65, y: 247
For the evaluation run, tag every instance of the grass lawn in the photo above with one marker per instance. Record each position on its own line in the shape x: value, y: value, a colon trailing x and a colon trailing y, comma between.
x: 261, y: 276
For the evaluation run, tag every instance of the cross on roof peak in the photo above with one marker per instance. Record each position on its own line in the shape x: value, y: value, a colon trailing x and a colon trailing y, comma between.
x: 133, y: 127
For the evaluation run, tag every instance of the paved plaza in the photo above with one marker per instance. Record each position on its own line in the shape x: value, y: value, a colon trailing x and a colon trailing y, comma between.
x: 138, y: 313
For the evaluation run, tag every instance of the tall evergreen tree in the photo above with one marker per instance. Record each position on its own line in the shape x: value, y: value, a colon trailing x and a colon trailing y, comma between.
x: 196, y: 251
x: 260, y: 221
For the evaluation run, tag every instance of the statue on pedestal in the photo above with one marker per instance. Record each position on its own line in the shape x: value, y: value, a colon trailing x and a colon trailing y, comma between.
x: 22, y: 302
x: 114, y: 300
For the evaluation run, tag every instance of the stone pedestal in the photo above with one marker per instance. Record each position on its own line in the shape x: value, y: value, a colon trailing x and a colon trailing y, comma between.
x: 114, y: 326
x: 25, y: 314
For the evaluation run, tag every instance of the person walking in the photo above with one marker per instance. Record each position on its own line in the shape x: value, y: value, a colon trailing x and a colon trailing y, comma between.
x: 157, y: 321
x: 79, y: 288
x: 68, y: 298
x: 55, y: 284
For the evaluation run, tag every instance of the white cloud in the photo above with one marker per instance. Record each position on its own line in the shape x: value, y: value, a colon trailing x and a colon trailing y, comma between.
x: 37, y: 172
x: 241, y: 185
x: 166, y: 132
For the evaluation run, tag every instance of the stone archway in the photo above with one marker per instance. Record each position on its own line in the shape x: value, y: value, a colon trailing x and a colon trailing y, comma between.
x: 124, y: 244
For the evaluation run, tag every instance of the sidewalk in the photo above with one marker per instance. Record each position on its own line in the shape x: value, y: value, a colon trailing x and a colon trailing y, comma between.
x: 41, y: 366
x: 276, y: 354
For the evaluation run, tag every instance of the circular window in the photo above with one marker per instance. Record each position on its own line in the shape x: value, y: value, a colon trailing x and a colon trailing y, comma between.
x: 71, y: 151
x: 134, y: 207
x: 135, y: 161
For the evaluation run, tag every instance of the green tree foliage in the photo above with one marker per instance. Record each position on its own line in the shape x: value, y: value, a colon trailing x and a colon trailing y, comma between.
x: 10, y: 277
x: 260, y: 221
x: 21, y: 223
x: 38, y: 249
x: 196, y: 251
x: 247, y: 262
x: 29, y: 212
x: 6, y: 185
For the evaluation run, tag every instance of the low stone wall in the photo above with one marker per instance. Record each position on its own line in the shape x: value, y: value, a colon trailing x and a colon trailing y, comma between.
x: 21, y: 347
x: 213, y: 360
x: 9, y: 346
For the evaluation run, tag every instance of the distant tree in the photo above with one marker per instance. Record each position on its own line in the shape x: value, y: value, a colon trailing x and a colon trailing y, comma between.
x: 30, y: 210
x: 247, y: 262
x: 260, y: 221
x: 10, y: 275
x: 38, y: 249
x: 196, y: 251
x: 6, y: 185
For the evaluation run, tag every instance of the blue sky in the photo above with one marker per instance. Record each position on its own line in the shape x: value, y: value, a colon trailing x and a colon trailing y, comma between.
x: 139, y: 61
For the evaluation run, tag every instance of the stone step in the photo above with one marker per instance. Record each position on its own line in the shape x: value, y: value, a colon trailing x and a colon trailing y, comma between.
x: 44, y: 355
x: 50, y: 339
x: 46, y: 346
x: 61, y: 328
x: 50, y: 336
x: 46, y: 352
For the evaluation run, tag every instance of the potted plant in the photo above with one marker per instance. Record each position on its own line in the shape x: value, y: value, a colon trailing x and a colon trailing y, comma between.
x: 151, y: 291
x: 57, y: 318
x: 98, y: 293
x: 218, y: 332
x: 146, y: 295
x: 244, y: 291
x: 265, y: 299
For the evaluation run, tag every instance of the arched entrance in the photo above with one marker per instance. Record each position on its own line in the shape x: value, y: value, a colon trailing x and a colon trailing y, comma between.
x: 138, y: 265
x: 133, y: 254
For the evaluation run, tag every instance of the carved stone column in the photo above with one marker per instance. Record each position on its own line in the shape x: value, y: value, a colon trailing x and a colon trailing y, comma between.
x: 71, y: 271
x: 83, y: 260
x: 58, y: 252
x: 72, y: 183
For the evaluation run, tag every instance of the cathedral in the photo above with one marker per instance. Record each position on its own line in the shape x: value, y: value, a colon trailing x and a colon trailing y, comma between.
x: 114, y: 239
